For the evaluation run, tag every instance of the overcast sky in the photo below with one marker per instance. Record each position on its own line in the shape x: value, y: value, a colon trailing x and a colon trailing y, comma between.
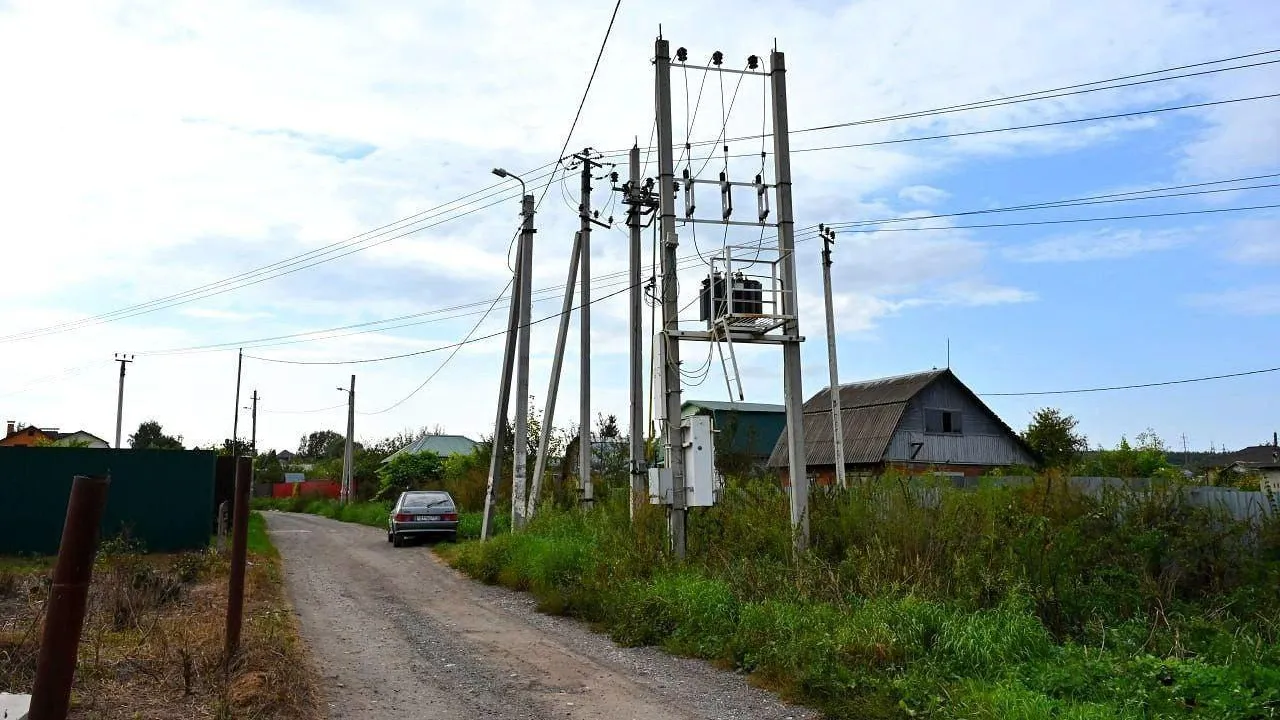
x: 150, y: 148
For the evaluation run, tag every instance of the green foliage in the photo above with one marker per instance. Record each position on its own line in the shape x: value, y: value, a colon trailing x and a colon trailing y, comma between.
x: 1009, y: 601
x: 321, y: 444
x: 150, y: 436
x: 409, y: 471
x: 1053, y: 437
x: 259, y: 542
x: 373, y: 513
x: 1147, y: 458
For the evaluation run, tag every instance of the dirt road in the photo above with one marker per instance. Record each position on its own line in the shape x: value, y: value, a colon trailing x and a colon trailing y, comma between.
x: 396, y: 633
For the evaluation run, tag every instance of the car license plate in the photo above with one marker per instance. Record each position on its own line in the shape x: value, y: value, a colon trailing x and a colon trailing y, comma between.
x: 425, y: 518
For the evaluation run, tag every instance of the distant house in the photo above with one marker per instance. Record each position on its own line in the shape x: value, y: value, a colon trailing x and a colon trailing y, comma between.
x: 749, y: 430
x: 31, y: 435
x: 442, y: 445
x: 926, y: 422
x: 286, y: 457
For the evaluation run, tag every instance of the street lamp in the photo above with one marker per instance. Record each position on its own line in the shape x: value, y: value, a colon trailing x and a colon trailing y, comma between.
x: 502, y: 173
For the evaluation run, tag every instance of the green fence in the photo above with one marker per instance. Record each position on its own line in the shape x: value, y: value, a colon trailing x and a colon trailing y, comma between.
x: 162, y: 498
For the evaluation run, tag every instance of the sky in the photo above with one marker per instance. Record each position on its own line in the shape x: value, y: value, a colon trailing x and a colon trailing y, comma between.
x: 155, y: 148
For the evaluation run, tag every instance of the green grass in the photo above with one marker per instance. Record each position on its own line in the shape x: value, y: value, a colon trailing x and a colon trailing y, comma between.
x: 259, y: 543
x: 1003, y: 603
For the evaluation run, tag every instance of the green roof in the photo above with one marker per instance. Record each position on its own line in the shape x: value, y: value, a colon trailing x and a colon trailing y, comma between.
x: 689, y: 407
x: 442, y: 445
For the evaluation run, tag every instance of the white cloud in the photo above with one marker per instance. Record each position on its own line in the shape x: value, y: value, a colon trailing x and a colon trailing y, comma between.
x: 923, y: 194
x: 166, y: 146
x: 1107, y: 244
x: 1255, y: 242
x: 1252, y: 300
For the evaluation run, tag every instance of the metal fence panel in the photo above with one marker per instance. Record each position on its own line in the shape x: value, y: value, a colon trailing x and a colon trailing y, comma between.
x: 162, y: 498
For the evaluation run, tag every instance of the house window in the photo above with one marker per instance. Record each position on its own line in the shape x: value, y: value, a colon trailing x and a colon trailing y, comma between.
x: 942, y: 421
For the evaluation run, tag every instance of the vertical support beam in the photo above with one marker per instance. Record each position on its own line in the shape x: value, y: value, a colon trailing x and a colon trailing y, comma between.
x: 519, y: 465
x: 584, y: 389
x: 349, y: 454
x: 837, y: 418
x: 239, y: 535
x: 68, y: 597
x: 253, y: 441
x: 792, y: 385
x: 504, y: 400
x: 639, y: 489
x: 123, y: 360
x: 672, y: 453
x: 553, y: 387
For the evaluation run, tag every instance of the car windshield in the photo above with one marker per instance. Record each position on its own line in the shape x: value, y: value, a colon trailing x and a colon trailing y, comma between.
x: 424, y: 500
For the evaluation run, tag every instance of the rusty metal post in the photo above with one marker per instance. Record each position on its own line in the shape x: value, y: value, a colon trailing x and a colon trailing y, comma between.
x: 64, y: 616
x: 239, y: 550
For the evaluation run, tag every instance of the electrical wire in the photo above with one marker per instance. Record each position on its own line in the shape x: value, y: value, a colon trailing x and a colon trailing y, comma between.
x: 302, y: 412
x: 1133, y: 387
x: 435, y: 349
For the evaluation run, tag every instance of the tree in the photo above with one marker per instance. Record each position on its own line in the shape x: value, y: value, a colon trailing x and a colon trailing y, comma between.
x: 150, y: 436
x: 409, y: 471
x: 1148, y: 458
x: 268, y: 468
x: 1052, y: 435
x: 321, y: 444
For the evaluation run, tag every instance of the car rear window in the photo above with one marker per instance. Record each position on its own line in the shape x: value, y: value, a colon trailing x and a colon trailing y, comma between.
x: 425, y: 499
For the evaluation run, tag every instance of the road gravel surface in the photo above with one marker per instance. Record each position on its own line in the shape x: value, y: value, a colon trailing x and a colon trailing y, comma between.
x: 396, y: 633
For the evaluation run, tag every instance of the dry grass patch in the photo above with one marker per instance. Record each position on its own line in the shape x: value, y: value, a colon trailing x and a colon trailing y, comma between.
x: 153, y: 638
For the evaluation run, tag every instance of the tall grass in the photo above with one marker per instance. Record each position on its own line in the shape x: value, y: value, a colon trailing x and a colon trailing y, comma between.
x: 1028, y: 602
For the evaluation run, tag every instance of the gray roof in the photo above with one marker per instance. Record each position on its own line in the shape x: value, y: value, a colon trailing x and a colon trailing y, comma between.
x: 442, y: 445
x: 722, y: 406
x: 869, y: 412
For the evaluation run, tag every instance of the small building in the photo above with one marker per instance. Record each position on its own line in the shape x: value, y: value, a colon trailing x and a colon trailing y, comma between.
x: 442, y: 445
x: 286, y: 457
x: 927, y: 422
x: 747, y: 430
x: 31, y: 435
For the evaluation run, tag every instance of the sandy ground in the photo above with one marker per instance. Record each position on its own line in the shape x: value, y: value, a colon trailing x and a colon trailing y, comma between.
x: 396, y: 633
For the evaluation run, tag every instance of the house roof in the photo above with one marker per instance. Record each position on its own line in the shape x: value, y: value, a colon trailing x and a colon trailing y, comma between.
x: 442, y: 445
x: 87, y: 435
x: 722, y: 406
x: 1255, y: 454
x: 870, y: 412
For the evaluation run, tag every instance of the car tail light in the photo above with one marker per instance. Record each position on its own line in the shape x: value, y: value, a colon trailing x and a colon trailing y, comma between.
x: 449, y: 516
x: 402, y: 517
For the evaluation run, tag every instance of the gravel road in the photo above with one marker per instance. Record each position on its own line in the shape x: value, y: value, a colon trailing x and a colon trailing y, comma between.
x: 396, y: 633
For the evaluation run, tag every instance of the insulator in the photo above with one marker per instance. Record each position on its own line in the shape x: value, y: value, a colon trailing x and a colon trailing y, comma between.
x: 717, y: 58
x: 613, y: 176
x: 682, y: 54
x: 753, y: 62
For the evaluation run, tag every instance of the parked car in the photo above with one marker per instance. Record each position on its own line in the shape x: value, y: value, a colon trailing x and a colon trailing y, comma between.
x: 423, y: 513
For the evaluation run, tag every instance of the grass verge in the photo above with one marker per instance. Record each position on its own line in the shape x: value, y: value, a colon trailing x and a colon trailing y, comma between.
x: 1026, y: 603
x: 152, y: 645
x: 373, y: 513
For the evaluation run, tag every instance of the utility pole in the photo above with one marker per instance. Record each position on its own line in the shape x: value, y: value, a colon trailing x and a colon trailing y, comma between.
x: 519, y: 470
x: 348, y: 453
x: 123, y: 360
x: 504, y: 399
x: 635, y: 194
x: 792, y: 382
x: 239, y: 535
x: 553, y: 386
x: 672, y: 450
x: 253, y: 439
x: 837, y: 418
x: 586, y: 489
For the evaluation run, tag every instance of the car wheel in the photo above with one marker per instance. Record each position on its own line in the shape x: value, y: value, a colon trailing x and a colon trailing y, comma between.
x: 389, y: 534
x: 396, y: 540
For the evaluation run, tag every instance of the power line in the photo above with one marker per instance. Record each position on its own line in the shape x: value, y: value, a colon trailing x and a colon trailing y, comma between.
x: 686, y: 262
x: 435, y: 349
x: 1133, y: 387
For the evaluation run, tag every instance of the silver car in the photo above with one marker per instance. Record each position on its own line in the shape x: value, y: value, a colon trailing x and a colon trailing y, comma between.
x: 423, y: 513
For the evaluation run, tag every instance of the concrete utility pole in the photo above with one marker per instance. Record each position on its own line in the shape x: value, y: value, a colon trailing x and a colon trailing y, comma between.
x: 519, y: 469
x: 637, y: 464
x: 837, y: 418
x: 348, y: 452
x: 123, y: 360
x: 792, y: 384
x: 557, y: 363
x: 504, y: 399
x: 253, y: 439
x: 672, y: 451
x: 239, y: 535
x: 585, y: 487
